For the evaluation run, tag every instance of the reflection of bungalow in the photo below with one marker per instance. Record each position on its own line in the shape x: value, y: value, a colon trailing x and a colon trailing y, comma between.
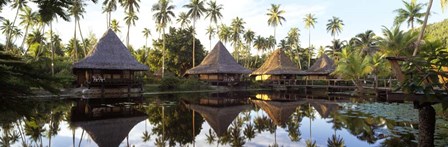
x: 277, y: 66
x: 321, y: 69
x: 109, y: 65
x: 278, y: 111
x: 218, y: 117
x: 107, y: 125
x: 219, y: 67
x: 325, y: 108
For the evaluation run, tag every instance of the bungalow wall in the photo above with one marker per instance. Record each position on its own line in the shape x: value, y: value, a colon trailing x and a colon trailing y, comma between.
x: 86, y: 75
x: 219, y: 77
x: 274, y: 77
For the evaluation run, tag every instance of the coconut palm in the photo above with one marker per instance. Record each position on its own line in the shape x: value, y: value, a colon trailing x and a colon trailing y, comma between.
x: 260, y: 43
x: 18, y: 5
x: 411, y: 13
x: 275, y: 16
x: 196, y: 8
x: 310, y: 21
x: 210, y: 32
x: 335, y: 141
x: 336, y: 47
x: 293, y: 42
x: 131, y: 7
x: 443, y: 4
x: 224, y: 33
x: 146, y: 32
x: 130, y: 20
x: 183, y: 20
x: 365, y: 41
x: 108, y: 7
x: 163, y: 13
x: 115, y: 26
x: 76, y: 9
x: 214, y: 12
x: 7, y: 28
x: 334, y: 26
x: 237, y: 28
x: 249, y: 37
x: 396, y: 42
x: 271, y: 42
x: 28, y: 18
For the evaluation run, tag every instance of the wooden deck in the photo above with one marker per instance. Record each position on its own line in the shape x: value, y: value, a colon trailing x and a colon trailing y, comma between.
x: 383, y: 84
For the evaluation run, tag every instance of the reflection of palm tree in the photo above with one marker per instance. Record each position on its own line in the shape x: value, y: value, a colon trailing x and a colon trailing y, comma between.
x: 146, y: 136
x: 249, y: 131
x: 335, y: 141
x: 9, y: 136
x: 210, y: 136
x: 310, y: 143
x: 35, y: 129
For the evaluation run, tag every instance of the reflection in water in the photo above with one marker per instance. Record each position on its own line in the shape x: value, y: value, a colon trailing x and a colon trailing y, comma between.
x: 242, y: 119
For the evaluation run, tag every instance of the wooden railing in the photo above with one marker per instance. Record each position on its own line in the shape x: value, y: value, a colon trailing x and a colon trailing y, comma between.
x: 332, y: 83
x: 115, y: 82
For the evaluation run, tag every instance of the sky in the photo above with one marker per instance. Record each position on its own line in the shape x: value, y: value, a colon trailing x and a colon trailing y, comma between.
x: 357, y: 15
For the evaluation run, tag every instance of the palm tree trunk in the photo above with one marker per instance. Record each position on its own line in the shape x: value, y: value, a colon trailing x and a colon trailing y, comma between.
x: 163, y: 53
x: 194, y: 30
x: 24, y: 36
x: 146, y: 42
x: 8, y: 39
x: 82, y: 38
x: 127, y: 36
x: 422, y: 32
x: 75, y: 45
x: 51, y: 47
x: 309, y: 47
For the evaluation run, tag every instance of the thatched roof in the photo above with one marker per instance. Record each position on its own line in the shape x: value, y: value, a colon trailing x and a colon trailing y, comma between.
x: 324, y: 109
x: 219, y: 118
x: 278, y: 63
x: 110, y: 53
x: 323, y: 66
x: 279, y: 112
x: 110, y: 132
x: 217, y: 61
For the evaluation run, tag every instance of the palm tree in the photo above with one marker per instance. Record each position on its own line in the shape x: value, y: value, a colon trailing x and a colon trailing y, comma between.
x: 183, y: 20
x: 334, y: 26
x: 335, y: 141
x: 210, y: 32
x: 146, y: 32
x: 336, y: 47
x: 293, y: 41
x: 115, y: 26
x: 163, y: 13
x: 411, y: 13
x: 425, y: 22
x: 275, y: 16
x: 196, y: 8
x: 260, y: 44
x: 310, y: 21
x: 224, y: 33
x: 271, y: 42
x: 76, y: 9
x: 214, y: 12
x: 130, y: 19
x: 249, y: 37
x: 19, y: 5
x: 396, y: 42
x: 28, y: 18
x: 7, y: 28
x: 365, y: 41
x: 131, y: 7
x: 108, y: 7
x: 237, y: 28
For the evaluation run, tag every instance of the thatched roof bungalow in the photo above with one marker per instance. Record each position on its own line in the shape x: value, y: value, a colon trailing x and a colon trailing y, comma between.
x: 109, y: 63
x: 219, y: 67
x: 321, y: 69
x: 277, y: 66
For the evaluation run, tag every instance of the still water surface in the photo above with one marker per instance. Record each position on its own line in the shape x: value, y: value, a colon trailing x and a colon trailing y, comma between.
x: 210, y: 119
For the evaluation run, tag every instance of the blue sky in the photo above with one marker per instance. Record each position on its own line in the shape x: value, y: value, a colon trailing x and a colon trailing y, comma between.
x: 358, y: 16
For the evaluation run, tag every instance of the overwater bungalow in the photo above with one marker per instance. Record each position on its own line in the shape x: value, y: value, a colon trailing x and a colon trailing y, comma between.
x: 277, y: 67
x: 278, y: 111
x: 324, y: 108
x: 219, y: 68
x: 321, y: 69
x: 109, y: 68
x: 218, y: 117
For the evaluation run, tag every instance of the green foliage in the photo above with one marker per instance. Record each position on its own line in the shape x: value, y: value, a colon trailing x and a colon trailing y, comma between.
x: 437, y: 31
x: 191, y: 84
x: 396, y: 42
x: 353, y: 66
x: 169, y: 83
x: 178, y: 52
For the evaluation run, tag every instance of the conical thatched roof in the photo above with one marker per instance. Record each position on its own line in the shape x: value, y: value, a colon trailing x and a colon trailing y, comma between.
x: 279, y: 112
x: 323, y: 65
x: 324, y: 109
x: 110, y: 53
x: 218, y: 60
x: 278, y: 63
x: 110, y: 132
x: 219, y: 118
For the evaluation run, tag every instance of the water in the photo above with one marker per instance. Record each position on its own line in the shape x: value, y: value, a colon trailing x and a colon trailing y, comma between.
x: 225, y: 119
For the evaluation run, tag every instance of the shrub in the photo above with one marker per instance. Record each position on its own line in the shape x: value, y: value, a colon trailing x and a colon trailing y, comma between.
x: 169, y: 83
x: 192, y: 84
